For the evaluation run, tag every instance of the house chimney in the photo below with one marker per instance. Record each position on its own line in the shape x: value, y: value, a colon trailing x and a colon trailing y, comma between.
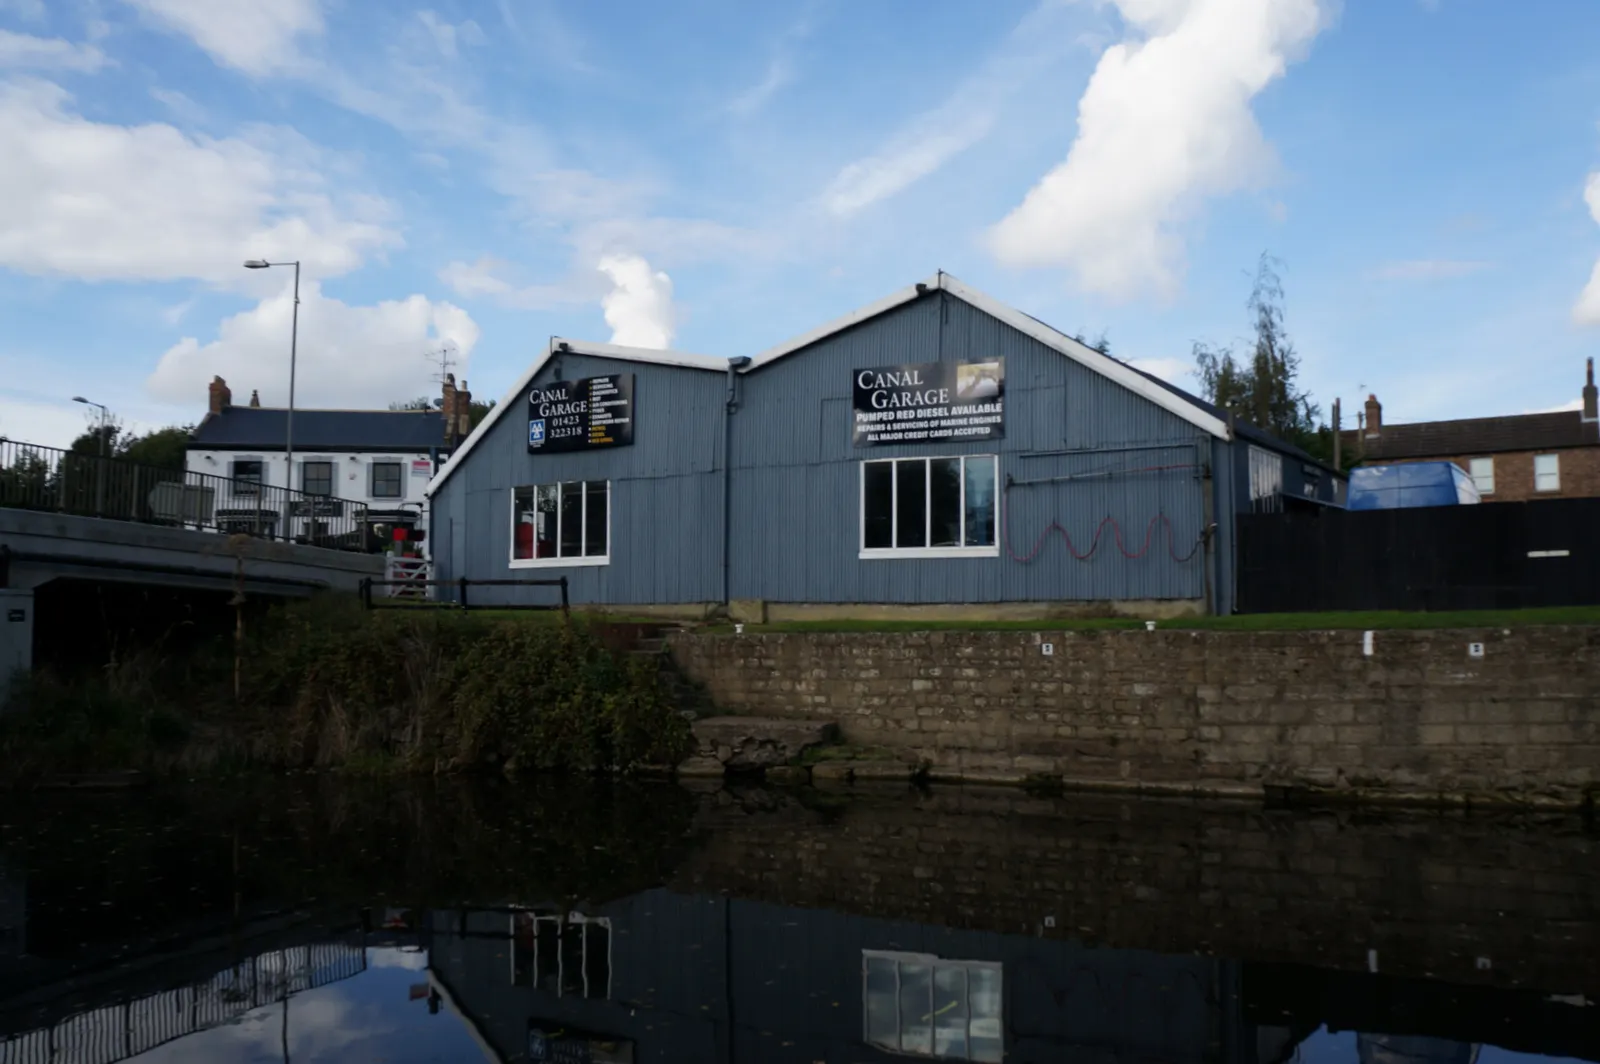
x: 464, y: 411
x: 447, y: 406
x: 221, y: 397
x: 255, y: 399
x: 1374, y: 416
x: 1591, y: 399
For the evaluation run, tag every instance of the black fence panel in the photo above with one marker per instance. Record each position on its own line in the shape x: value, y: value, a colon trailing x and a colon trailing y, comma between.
x: 1491, y: 556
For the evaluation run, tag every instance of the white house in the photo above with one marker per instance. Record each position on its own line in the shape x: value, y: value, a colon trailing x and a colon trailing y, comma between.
x: 382, y: 459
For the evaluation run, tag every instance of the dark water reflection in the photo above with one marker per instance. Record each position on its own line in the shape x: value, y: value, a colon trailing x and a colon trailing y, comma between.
x: 309, y: 921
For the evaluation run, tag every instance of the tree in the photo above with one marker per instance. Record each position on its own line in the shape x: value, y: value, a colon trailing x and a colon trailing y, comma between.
x: 166, y: 448
x: 477, y: 411
x: 420, y: 403
x: 1263, y: 387
x: 90, y: 440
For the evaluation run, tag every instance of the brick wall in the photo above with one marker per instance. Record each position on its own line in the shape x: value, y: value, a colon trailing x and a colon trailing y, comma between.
x: 1432, y: 894
x: 1513, y: 473
x: 1218, y: 712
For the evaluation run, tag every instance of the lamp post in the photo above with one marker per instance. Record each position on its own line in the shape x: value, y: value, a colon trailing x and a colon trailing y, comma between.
x: 294, y: 340
x: 100, y: 466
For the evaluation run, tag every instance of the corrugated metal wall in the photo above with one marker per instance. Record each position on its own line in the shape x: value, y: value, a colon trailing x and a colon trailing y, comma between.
x: 1090, y: 449
x: 666, y: 494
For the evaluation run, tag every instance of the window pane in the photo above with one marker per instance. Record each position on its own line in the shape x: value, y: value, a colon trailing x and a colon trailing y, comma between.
x: 1482, y: 470
x: 545, y: 536
x: 983, y: 997
x: 877, y: 505
x: 247, y: 477
x: 386, y: 480
x: 1547, y: 472
x: 911, y: 500
x: 916, y: 988
x: 594, y: 532
x: 571, y: 519
x: 980, y: 502
x: 525, y: 521
x: 944, y: 502
x: 883, y: 1018
x: 316, y: 478
x: 950, y: 1012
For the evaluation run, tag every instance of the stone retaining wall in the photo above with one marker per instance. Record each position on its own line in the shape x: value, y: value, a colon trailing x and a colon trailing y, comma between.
x: 1420, y: 717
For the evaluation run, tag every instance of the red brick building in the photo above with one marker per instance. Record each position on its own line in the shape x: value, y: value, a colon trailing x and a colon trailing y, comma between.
x: 1510, y: 459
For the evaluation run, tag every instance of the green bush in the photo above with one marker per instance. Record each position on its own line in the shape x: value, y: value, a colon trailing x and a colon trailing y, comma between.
x: 324, y: 683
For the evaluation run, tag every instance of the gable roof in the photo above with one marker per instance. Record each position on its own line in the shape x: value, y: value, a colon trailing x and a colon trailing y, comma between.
x: 266, y: 428
x: 1480, y: 435
x: 1175, y: 400
x: 681, y: 359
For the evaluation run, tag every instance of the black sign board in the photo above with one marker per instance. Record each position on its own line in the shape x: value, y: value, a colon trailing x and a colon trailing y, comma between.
x: 929, y: 401
x: 580, y: 415
x: 13, y: 616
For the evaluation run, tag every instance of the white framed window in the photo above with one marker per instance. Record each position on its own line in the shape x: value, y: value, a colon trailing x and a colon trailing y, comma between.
x: 386, y: 480
x: 1547, y: 472
x: 925, y: 1006
x: 1482, y: 471
x: 930, y: 507
x: 246, y: 474
x: 316, y: 477
x: 561, y: 524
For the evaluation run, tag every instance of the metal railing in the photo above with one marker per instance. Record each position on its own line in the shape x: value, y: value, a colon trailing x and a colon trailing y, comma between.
x: 33, y: 477
x: 462, y: 601
x: 123, y: 1029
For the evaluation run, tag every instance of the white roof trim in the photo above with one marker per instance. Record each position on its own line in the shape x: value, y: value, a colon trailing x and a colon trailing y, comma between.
x: 871, y: 310
x: 681, y: 359
x: 1104, y: 365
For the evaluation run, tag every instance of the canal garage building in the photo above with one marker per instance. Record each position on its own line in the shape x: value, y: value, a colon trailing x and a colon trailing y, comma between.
x: 934, y: 452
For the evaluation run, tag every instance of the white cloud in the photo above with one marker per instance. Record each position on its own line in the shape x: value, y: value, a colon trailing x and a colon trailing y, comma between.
x: 98, y: 201
x: 1564, y: 408
x: 1164, y: 123
x: 182, y: 107
x: 19, y: 51
x: 639, y: 306
x: 484, y: 280
x: 1429, y: 269
x: 960, y: 122
x: 32, y: 420
x: 354, y: 356
x: 448, y: 37
x: 779, y: 73
x: 1172, y: 370
x: 257, y: 37
x: 1587, y: 309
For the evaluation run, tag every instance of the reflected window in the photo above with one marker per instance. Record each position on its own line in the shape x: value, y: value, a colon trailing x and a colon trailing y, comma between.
x: 566, y: 956
x: 931, y: 1007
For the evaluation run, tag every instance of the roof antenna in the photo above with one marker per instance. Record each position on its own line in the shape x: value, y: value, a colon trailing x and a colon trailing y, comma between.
x: 445, y: 359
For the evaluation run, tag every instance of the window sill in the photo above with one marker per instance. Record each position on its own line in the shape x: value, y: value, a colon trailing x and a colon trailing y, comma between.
x: 929, y: 552
x: 558, y: 563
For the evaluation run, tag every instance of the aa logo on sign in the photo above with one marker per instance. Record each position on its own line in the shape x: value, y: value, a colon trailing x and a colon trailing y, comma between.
x: 535, y: 432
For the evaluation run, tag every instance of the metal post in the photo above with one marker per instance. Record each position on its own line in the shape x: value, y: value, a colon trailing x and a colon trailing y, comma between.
x: 463, y: 593
x: 366, y: 593
x: 565, y: 611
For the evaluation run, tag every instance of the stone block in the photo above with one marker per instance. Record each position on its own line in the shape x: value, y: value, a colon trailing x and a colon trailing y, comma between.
x: 748, y: 743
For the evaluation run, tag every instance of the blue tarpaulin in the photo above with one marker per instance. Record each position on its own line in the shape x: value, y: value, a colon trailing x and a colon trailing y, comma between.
x: 1394, y: 487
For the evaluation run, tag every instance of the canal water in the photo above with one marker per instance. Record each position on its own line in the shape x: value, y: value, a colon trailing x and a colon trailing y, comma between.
x: 320, y: 920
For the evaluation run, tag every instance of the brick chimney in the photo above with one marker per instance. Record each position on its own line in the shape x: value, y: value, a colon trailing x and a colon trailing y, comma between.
x: 1591, y: 399
x: 221, y: 397
x: 447, y: 406
x: 1374, y: 416
x: 255, y: 399
x: 463, y: 412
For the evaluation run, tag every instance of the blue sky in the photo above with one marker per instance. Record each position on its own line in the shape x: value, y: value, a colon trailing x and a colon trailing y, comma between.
x: 482, y: 174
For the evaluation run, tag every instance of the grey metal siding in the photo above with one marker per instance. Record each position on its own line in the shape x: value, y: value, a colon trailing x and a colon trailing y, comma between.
x: 666, y: 494
x: 796, y: 487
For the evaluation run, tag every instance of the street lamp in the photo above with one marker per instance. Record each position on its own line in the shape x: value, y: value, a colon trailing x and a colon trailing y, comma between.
x: 100, y: 466
x: 104, y: 415
x: 294, y: 339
